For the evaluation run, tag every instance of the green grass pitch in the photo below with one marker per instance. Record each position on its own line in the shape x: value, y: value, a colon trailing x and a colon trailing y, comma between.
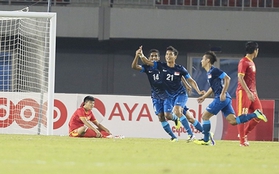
x: 33, y: 154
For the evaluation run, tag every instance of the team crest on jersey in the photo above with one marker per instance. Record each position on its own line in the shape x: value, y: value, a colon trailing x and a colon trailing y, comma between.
x: 176, y: 73
x: 209, y: 76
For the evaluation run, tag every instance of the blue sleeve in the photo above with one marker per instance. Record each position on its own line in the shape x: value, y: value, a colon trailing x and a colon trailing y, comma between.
x: 216, y: 72
x: 187, y: 76
x: 185, y: 73
x: 142, y: 69
x: 155, y: 66
x: 222, y: 76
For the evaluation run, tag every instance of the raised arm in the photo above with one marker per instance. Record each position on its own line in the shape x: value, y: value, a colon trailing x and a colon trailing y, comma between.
x: 144, y: 59
x: 135, y: 64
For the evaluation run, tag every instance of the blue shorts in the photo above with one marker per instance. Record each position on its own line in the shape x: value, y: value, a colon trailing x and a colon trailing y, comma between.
x: 168, y: 105
x: 179, y: 100
x: 158, y: 105
x: 224, y: 106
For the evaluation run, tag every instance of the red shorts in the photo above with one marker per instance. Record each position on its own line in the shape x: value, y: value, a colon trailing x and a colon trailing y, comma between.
x: 89, y: 133
x: 244, y: 105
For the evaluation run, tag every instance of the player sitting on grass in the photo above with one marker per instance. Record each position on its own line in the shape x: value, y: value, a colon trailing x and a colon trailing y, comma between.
x: 219, y: 82
x: 80, y: 126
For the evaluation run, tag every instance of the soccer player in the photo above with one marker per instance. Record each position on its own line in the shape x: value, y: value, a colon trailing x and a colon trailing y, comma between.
x: 219, y: 82
x: 158, y: 93
x: 80, y: 123
x: 172, y: 74
x: 186, y: 111
x: 247, y: 98
x: 191, y: 119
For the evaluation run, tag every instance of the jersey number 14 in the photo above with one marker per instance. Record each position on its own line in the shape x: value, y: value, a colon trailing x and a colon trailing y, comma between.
x: 156, y: 77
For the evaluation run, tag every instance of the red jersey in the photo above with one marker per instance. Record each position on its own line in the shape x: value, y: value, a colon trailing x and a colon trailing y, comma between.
x: 75, y: 121
x: 247, y: 68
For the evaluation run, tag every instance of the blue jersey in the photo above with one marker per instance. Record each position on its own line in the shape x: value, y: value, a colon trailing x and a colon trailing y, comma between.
x: 155, y: 81
x: 215, y: 78
x: 171, y: 77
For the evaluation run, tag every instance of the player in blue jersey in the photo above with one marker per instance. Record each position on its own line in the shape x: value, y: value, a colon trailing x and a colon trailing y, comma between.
x: 158, y: 93
x: 219, y: 82
x: 172, y: 75
x: 188, y: 114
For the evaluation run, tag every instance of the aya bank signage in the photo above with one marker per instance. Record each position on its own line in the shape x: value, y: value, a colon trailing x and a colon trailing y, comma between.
x: 132, y: 116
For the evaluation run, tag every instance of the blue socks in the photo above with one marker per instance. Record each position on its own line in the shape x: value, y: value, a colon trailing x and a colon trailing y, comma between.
x: 186, y: 125
x: 206, y: 129
x: 245, y: 117
x: 167, y: 128
x: 198, y: 126
x: 174, y: 117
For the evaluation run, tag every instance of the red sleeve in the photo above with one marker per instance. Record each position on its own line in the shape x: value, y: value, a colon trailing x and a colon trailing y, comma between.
x: 242, y: 66
x: 79, y: 113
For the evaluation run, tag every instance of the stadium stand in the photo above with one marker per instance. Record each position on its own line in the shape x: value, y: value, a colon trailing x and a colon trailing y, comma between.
x: 27, y: 2
x: 232, y: 4
x: 228, y: 3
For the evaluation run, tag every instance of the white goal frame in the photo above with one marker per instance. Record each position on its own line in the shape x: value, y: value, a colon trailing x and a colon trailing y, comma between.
x: 51, y: 70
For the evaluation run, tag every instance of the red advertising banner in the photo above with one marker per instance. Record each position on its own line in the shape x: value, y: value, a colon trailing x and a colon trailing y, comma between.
x: 262, y: 132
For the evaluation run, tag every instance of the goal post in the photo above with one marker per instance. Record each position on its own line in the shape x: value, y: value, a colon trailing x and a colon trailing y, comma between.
x: 27, y: 72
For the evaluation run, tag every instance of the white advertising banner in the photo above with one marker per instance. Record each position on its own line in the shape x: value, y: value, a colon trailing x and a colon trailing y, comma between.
x: 131, y: 116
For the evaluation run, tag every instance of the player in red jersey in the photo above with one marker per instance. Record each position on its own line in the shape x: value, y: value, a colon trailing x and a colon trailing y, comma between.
x: 247, y: 99
x: 80, y: 126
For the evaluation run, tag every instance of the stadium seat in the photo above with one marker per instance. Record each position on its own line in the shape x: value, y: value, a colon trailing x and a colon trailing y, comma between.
x: 165, y: 2
x: 209, y: 3
x: 254, y: 3
x: 187, y: 2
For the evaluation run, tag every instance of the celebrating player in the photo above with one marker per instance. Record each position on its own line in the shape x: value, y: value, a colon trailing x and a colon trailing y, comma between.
x: 186, y: 111
x: 158, y: 93
x: 172, y: 74
x: 80, y: 123
x: 247, y: 98
x: 219, y: 83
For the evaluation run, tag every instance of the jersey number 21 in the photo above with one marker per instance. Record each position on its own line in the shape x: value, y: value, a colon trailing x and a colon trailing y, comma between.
x: 169, y: 77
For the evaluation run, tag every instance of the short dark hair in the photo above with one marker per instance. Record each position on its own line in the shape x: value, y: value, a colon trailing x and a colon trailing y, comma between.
x: 211, y: 56
x: 88, y: 98
x: 251, y: 46
x: 154, y: 50
x: 171, y: 48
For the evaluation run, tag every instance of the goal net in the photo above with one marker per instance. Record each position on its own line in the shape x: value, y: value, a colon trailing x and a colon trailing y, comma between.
x: 27, y: 64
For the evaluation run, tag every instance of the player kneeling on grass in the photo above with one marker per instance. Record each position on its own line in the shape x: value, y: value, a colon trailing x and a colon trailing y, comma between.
x: 219, y: 83
x: 80, y: 126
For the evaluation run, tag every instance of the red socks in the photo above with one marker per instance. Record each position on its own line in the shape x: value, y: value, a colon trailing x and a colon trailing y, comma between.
x: 251, y: 125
